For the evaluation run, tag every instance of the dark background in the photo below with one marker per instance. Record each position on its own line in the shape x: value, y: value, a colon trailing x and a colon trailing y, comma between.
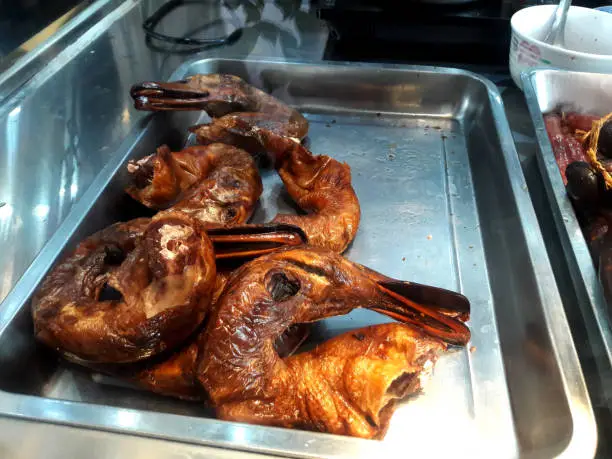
x: 475, y: 32
x: 22, y: 19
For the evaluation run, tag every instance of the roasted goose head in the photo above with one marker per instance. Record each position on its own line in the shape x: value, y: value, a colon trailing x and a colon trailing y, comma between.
x: 320, y: 186
x: 129, y: 291
x: 347, y: 385
x: 220, y: 95
x: 217, y: 184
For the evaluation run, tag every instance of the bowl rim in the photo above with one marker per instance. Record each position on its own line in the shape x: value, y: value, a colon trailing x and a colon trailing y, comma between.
x: 568, y: 52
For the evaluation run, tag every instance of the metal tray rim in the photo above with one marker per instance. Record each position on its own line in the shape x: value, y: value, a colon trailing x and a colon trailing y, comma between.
x: 577, y: 397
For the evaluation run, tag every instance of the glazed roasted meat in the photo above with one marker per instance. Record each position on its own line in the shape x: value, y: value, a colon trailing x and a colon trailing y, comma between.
x: 221, y: 130
x: 584, y: 158
x: 220, y: 95
x: 171, y: 305
x: 250, y: 119
x: 247, y: 380
x: 319, y: 185
x: 566, y: 147
x: 176, y: 375
x: 349, y: 385
x: 129, y: 291
x: 582, y: 145
x: 322, y: 187
x: 218, y: 184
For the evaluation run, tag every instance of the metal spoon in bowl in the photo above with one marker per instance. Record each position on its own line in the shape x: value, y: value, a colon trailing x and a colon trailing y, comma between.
x: 556, y: 34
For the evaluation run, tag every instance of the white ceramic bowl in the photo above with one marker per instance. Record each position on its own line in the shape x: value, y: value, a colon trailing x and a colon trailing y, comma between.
x: 588, y: 41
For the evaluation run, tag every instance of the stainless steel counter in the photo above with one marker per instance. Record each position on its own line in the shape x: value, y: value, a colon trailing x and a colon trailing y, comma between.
x: 65, y: 108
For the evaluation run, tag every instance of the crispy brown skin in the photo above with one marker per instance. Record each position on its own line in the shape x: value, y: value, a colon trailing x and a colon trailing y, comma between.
x: 349, y: 385
x: 220, y: 95
x: 255, y: 121
x: 220, y: 130
x: 217, y: 184
x: 163, y: 269
x: 320, y: 185
x: 176, y: 376
x: 248, y: 381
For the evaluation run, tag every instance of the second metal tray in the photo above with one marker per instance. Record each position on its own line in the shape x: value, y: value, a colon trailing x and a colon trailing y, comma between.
x: 547, y: 90
x: 444, y: 202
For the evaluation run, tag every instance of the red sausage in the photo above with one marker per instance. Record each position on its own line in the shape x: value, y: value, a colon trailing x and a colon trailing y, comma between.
x: 565, y: 147
x: 579, y: 121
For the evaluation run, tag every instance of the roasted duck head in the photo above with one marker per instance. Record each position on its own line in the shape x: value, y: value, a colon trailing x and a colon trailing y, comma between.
x: 216, y: 94
x: 220, y: 95
x: 320, y: 186
x: 347, y: 385
x: 129, y: 291
x: 139, y: 288
x: 217, y: 184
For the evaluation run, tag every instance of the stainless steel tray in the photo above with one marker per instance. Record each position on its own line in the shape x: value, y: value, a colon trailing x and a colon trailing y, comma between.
x: 444, y: 202
x: 547, y: 90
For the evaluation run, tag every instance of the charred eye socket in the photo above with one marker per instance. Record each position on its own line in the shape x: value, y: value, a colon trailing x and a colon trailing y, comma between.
x: 143, y: 176
x: 113, y: 255
x: 281, y: 287
x: 174, y: 244
x: 230, y: 213
x: 109, y: 293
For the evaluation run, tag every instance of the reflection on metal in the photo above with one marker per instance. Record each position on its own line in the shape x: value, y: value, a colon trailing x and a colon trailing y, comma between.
x: 73, y: 189
x: 125, y: 116
x: 6, y: 211
x: 128, y: 419
x: 18, y: 68
x: 41, y: 210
